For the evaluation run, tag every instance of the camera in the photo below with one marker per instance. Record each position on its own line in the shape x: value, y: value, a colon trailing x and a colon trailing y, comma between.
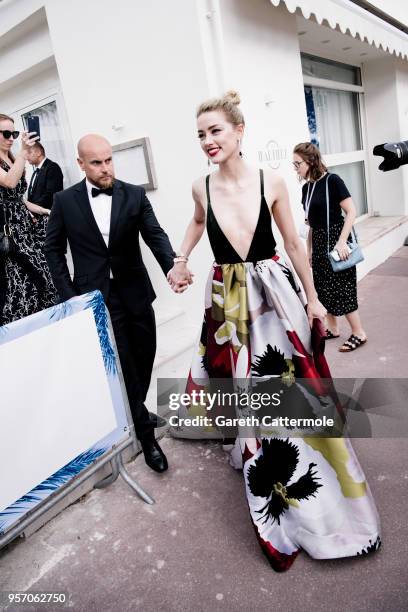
x: 395, y: 154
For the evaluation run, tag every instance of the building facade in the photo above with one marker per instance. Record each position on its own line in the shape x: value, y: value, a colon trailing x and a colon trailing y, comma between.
x: 331, y: 71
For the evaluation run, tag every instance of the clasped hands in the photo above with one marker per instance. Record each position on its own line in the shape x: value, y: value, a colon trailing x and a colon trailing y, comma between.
x: 179, y: 277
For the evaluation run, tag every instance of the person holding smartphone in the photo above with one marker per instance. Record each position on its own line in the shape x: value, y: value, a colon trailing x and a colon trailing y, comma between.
x: 25, y: 281
x: 337, y: 291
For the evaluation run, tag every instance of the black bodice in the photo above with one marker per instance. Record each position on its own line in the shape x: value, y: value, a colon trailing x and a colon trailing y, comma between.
x: 263, y: 242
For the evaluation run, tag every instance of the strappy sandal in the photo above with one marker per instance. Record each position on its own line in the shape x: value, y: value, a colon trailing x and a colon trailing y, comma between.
x: 351, y: 344
x: 330, y: 335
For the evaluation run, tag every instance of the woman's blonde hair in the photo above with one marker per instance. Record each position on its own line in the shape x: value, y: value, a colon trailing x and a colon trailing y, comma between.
x: 228, y: 104
x: 4, y: 117
x: 310, y: 153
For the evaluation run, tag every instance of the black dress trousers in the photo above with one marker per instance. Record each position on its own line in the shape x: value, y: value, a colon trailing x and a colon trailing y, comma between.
x: 135, y: 336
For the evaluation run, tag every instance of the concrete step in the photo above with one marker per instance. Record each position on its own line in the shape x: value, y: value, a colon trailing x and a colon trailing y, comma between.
x: 176, y: 337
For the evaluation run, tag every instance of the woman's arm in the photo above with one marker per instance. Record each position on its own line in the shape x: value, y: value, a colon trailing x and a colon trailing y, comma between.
x: 350, y: 210
x: 195, y: 229
x: 293, y: 246
x: 11, y: 178
x: 35, y: 208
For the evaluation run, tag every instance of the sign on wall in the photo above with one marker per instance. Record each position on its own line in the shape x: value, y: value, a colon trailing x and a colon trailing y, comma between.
x: 134, y: 163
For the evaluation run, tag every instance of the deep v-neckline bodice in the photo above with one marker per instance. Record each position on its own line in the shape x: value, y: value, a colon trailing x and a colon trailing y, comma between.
x: 262, y: 245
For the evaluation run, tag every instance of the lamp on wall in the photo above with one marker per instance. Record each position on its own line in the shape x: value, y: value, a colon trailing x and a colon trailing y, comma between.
x: 268, y: 98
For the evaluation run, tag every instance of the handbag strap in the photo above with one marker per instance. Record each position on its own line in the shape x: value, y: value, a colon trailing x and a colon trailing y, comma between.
x: 6, y: 223
x: 327, y: 213
x: 353, y: 232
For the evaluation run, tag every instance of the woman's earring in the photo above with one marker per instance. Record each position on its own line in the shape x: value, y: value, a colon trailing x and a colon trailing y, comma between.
x: 239, y: 145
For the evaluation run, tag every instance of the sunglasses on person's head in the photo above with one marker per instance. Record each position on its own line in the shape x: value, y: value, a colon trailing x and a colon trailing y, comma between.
x: 7, y: 134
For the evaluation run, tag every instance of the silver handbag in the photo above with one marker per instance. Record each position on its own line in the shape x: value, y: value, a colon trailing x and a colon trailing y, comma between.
x: 356, y: 254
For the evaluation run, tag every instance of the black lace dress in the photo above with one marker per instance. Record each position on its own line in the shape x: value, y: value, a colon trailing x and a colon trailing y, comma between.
x: 25, y: 282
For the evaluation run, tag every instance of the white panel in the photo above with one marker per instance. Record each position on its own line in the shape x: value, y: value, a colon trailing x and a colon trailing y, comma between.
x: 130, y: 166
x: 45, y: 426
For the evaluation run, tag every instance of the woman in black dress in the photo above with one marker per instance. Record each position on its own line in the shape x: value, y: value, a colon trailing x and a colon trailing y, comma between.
x: 256, y: 329
x: 337, y: 291
x: 25, y: 281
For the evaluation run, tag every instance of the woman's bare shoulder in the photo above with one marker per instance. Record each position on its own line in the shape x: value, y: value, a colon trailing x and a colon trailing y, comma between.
x: 273, y: 178
x: 199, y: 190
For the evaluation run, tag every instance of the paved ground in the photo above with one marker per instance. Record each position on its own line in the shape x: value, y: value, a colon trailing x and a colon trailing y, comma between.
x: 195, y: 548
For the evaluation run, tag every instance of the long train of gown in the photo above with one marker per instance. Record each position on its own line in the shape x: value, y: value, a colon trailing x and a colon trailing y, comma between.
x: 306, y: 492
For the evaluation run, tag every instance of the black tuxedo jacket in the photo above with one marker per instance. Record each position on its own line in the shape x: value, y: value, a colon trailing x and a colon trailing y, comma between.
x: 72, y: 219
x: 49, y: 180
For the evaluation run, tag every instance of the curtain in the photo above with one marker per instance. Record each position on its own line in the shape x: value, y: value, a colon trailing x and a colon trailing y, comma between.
x: 335, y: 118
x: 52, y: 137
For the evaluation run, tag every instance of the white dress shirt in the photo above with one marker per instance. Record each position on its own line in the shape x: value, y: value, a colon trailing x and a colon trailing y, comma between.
x: 40, y: 165
x: 36, y: 170
x: 101, y: 208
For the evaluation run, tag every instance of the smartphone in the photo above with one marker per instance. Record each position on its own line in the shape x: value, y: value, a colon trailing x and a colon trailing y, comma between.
x: 335, y: 255
x: 33, y: 125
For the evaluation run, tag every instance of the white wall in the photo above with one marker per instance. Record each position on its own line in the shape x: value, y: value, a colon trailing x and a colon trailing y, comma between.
x: 262, y: 61
x: 14, y: 13
x: 142, y: 68
x: 22, y: 52
x: 402, y: 96
x: 32, y: 89
x: 383, y: 125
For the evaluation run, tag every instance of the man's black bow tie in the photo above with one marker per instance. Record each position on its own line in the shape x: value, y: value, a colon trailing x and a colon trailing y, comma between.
x: 95, y: 192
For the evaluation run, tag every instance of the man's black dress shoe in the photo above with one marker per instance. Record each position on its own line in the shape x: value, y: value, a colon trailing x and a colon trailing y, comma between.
x: 153, y: 454
x: 156, y: 420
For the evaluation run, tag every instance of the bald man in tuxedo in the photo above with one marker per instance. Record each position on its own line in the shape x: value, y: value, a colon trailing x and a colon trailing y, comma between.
x: 102, y: 218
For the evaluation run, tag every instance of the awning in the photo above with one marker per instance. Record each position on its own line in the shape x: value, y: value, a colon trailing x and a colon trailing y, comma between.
x: 351, y: 19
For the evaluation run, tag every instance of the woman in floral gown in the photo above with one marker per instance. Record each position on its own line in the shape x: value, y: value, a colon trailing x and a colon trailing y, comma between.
x: 25, y: 282
x: 303, y: 492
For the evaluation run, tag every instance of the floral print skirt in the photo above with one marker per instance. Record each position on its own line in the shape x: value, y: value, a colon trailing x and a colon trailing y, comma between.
x: 303, y: 492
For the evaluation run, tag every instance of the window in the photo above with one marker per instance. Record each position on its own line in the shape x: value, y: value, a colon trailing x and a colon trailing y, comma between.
x: 333, y: 98
x: 52, y: 136
x: 334, y: 121
x: 331, y: 71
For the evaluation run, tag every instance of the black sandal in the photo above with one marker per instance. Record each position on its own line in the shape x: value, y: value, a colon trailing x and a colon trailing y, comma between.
x: 351, y: 344
x: 330, y: 335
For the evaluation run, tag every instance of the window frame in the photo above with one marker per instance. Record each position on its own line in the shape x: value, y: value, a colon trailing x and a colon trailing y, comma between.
x: 347, y: 157
x: 53, y: 95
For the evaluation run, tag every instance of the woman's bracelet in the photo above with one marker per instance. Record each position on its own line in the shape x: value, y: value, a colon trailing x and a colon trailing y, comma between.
x: 180, y: 258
